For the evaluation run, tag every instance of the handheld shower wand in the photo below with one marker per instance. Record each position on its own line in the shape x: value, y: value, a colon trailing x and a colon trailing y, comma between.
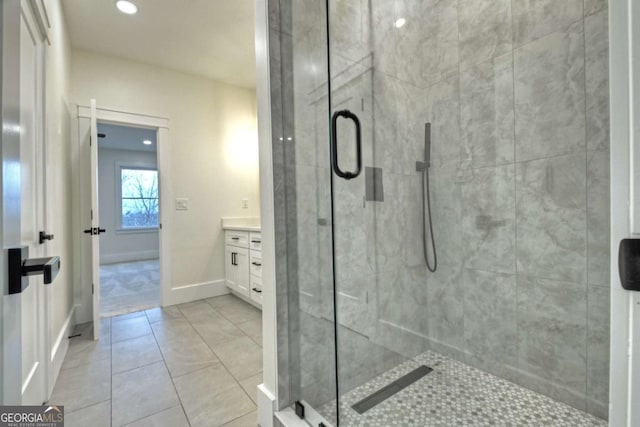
x: 423, y: 168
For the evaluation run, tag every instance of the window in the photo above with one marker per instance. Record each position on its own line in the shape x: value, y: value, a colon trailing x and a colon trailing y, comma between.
x: 139, y: 197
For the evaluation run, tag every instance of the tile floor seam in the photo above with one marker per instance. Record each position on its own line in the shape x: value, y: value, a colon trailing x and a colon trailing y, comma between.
x: 222, y: 314
x: 137, y: 367
x: 151, y: 415
x: 195, y: 370
x: 88, y: 406
x: 110, y: 370
x: 216, y: 354
x: 164, y: 361
x: 237, y: 418
x: 237, y: 380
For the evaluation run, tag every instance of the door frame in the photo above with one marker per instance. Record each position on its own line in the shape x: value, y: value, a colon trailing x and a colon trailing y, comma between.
x: 624, y: 35
x: 161, y: 125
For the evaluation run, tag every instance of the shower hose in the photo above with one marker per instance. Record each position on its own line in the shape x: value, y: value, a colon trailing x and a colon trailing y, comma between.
x: 426, y: 209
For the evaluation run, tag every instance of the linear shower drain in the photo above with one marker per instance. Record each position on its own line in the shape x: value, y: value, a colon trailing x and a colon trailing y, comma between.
x: 389, y: 390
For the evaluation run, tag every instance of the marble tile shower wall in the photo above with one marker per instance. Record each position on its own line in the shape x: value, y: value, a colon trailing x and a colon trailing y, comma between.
x: 517, y: 94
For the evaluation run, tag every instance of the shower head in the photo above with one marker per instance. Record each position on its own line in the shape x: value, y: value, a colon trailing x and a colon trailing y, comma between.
x: 427, y: 144
x: 421, y: 166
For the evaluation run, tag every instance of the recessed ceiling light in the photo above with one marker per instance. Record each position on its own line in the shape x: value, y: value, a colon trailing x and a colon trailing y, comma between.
x: 127, y: 7
x: 400, y: 22
x: 147, y: 142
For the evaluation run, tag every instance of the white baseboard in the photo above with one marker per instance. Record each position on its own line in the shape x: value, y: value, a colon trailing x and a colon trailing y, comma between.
x: 82, y: 314
x: 266, y: 405
x: 196, y: 291
x: 59, y: 349
x: 128, y: 256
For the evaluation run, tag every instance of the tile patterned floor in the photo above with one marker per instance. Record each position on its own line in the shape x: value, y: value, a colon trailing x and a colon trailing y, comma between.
x: 129, y: 287
x: 455, y: 394
x: 195, y: 364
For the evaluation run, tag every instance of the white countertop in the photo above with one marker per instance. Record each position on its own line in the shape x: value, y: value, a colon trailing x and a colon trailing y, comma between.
x: 241, y: 224
x: 242, y: 227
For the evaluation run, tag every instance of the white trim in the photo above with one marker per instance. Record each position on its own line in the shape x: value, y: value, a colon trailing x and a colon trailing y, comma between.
x: 266, y: 406
x: 269, y: 316
x: 128, y: 257
x: 288, y: 418
x: 141, y: 230
x: 39, y: 9
x: 161, y: 124
x: 196, y: 291
x: 59, y: 349
x: 166, y: 206
x: 121, y: 117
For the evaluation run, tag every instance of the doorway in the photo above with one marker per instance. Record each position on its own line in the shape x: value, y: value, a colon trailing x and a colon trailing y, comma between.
x: 128, y: 189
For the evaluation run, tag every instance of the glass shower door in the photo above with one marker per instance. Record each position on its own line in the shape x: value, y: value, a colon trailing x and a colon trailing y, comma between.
x: 379, y: 109
x: 357, y: 295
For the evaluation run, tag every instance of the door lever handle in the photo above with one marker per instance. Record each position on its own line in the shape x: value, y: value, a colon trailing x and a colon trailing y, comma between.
x: 44, y: 236
x: 94, y: 231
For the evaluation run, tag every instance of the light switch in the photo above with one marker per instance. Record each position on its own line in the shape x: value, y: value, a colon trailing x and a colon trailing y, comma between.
x: 245, y: 203
x: 182, y: 204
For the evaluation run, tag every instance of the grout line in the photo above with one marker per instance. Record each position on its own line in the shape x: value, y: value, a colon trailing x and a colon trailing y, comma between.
x: 586, y: 212
x: 88, y: 406
x: 164, y: 361
x: 212, y: 363
x: 220, y: 359
x: 137, y: 367
x: 110, y: 371
x: 237, y: 418
x: 156, y: 413
x: 516, y: 170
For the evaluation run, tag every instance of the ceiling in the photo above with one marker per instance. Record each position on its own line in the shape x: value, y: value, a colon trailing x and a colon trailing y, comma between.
x: 210, y: 38
x: 126, y: 138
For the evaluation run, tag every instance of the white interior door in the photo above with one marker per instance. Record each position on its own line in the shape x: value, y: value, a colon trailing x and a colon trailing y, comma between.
x: 95, y: 220
x: 33, y: 300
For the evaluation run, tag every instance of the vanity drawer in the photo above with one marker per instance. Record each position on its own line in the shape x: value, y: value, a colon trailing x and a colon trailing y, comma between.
x: 256, y: 289
x: 237, y: 238
x: 255, y: 241
x: 255, y: 263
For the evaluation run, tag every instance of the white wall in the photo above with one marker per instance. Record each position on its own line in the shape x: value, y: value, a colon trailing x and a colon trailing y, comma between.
x: 58, y: 158
x: 213, y: 149
x: 121, y: 246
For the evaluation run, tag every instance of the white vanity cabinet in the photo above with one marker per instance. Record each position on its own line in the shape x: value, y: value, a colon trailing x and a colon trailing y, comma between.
x: 255, y: 267
x: 243, y: 264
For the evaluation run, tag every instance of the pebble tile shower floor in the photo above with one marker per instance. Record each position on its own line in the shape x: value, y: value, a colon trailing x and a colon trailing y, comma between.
x: 455, y: 394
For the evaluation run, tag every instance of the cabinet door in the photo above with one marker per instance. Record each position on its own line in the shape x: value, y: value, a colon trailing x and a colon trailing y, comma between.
x: 242, y: 272
x: 229, y: 268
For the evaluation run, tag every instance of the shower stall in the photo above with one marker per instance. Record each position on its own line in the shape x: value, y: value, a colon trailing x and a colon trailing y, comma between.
x: 508, y: 184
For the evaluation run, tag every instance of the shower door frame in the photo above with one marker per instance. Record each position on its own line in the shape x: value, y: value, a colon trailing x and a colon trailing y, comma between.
x: 624, y: 43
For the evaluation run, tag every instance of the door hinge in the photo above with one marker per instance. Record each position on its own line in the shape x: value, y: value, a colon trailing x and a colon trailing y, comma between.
x: 91, y: 214
x: 90, y: 140
x: 92, y: 289
x: 160, y: 225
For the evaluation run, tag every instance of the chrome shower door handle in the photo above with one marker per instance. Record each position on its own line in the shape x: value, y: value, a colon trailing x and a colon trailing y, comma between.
x: 334, y: 144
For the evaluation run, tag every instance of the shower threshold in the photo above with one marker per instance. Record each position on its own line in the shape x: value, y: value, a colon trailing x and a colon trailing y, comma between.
x: 452, y: 394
